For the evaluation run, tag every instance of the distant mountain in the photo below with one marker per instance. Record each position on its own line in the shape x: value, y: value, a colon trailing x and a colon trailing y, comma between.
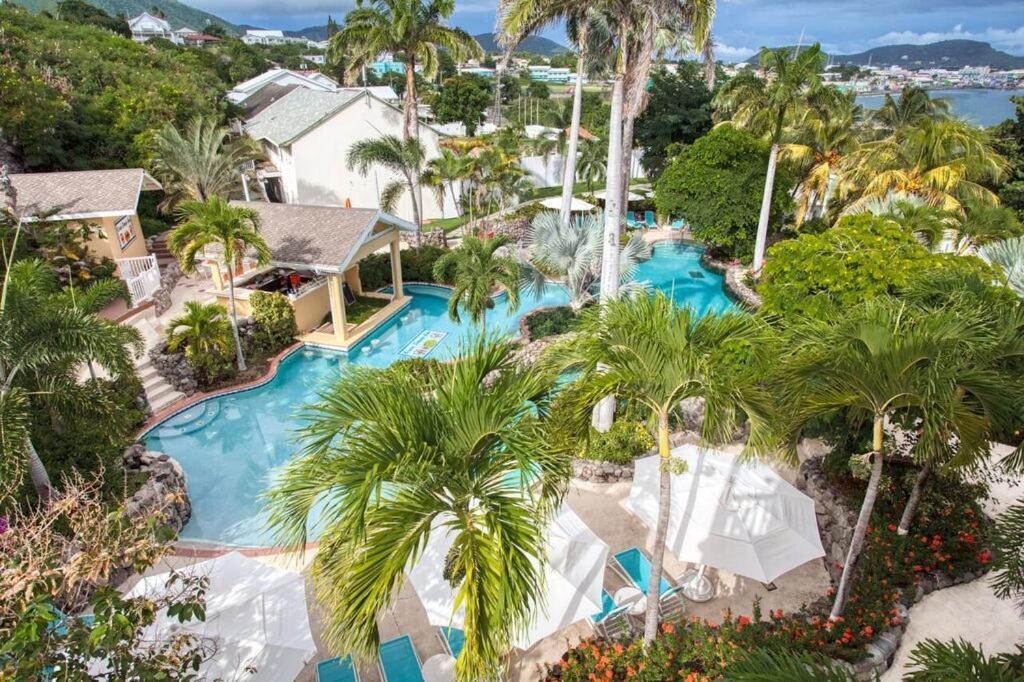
x: 178, y: 14
x: 946, y: 54
x: 316, y: 33
x: 533, y: 44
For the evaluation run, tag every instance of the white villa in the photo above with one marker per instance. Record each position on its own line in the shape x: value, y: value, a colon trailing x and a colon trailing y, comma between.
x: 146, y: 26
x: 311, y: 80
x: 306, y: 136
x: 269, y: 37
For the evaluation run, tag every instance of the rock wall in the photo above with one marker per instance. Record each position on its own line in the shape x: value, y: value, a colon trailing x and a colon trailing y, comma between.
x: 601, y: 472
x: 164, y: 491
x: 169, y: 277
x: 174, y: 369
x: 734, y: 274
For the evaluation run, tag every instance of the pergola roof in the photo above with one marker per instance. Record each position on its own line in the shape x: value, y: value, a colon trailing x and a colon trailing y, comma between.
x: 78, y: 195
x: 321, y: 237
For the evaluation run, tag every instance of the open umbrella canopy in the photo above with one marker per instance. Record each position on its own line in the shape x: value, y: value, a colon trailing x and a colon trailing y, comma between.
x: 578, y: 205
x: 738, y: 517
x: 602, y: 194
x: 573, y: 577
x: 255, y: 615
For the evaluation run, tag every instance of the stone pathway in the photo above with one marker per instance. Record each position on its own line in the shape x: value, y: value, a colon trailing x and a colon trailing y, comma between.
x: 159, y: 393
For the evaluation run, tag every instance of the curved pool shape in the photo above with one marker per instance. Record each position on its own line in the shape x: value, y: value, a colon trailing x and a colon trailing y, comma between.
x: 230, y: 445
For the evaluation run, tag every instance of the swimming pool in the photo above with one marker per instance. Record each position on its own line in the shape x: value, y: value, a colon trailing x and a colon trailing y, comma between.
x: 230, y: 445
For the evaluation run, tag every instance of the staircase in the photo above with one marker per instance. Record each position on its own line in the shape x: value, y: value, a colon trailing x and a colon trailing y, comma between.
x: 164, y: 257
x: 159, y: 393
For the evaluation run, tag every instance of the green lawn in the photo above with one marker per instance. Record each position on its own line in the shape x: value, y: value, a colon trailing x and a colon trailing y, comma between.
x: 361, y: 310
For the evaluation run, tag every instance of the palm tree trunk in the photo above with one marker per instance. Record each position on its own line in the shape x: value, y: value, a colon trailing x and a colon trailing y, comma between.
x: 660, y: 532
x: 37, y: 472
x: 766, y: 207
x: 627, y: 157
x: 409, y: 104
x: 861, y: 529
x: 604, y: 412
x: 234, y: 319
x: 483, y: 323
x: 569, y: 166
x: 914, y: 499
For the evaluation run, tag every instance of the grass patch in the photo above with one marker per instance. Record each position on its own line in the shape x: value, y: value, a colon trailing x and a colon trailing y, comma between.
x: 449, y: 225
x: 363, y: 308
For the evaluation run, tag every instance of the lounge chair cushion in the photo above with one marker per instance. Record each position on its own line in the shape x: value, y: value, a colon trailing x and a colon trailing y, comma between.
x: 398, y: 661
x: 337, y: 670
x: 638, y: 568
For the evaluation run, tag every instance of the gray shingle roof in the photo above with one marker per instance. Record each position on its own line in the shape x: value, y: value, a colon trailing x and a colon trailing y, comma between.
x: 295, y: 113
x: 80, y: 194
x: 325, y: 236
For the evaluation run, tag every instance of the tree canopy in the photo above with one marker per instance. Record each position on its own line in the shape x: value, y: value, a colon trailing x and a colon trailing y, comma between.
x: 463, y: 99
x: 679, y: 111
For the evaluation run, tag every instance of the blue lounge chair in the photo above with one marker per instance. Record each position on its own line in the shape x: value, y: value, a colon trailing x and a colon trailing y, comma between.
x: 631, y: 221
x: 649, y: 218
x: 337, y: 669
x: 399, y: 662
x: 636, y: 567
x: 677, y: 224
x: 607, y: 606
x: 453, y: 640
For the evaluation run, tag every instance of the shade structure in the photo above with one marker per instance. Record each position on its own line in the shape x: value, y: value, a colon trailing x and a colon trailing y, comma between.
x: 439, y: 668
x: 577, y: 205
x: 255, y: 615
x: 573, y: 577
x: 738, y: 517
x: 603, y: 194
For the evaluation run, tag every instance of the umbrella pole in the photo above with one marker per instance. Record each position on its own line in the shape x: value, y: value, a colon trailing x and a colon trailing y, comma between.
x: 696, y: 586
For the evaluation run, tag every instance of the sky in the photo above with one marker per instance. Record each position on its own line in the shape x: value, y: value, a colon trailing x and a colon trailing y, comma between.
x: 741, y: 26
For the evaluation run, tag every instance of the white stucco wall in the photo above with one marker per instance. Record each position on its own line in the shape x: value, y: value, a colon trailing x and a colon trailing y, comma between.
x: 317, y: 172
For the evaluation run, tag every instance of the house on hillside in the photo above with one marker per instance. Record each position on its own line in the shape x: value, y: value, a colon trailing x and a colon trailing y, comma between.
x: 269, y: 37
x: 306, y: 136
x: 146, y: 26
x: 312, y: 80
x: 106, y: 202
x: 314, y: 262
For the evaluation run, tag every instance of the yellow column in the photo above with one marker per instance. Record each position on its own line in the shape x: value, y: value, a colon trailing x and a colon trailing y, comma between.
x: 337, y: 306
x: 217, y: 275
x: 396, y: 265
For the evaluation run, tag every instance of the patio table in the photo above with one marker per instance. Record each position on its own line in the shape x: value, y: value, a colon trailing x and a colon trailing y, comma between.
x: 632, y: 596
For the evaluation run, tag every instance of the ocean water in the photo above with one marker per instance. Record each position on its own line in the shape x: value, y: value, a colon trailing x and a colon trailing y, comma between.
x: 230, y: 446
x: 980, y: 107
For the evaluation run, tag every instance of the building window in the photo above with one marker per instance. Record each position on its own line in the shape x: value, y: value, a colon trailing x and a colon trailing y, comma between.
x: 125, y: 231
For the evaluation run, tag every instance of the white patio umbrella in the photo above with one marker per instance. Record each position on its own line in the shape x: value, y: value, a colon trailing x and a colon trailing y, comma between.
x: 255, y: 614
x: 631, y: 196
x: 577, y: 205
x: 439, y: 668
x: 738, y: 517
x: 573, y: 574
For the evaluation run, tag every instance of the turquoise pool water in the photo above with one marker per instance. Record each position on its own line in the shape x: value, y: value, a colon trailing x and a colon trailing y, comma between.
x: 229, y: 446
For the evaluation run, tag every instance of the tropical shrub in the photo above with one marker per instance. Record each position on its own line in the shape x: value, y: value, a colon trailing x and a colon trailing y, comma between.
x: 551, y: 321
x: 862, y: 257
x: 463, y: 99
x: 679, y: 112
x: 275, y: 320
x: 203, y: 334
x: 715, y: 184
x: 626, y: 440
x: 417, y: 266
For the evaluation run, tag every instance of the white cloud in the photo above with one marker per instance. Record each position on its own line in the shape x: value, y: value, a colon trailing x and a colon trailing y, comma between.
x: 1010, y: 40
x: 727, y: 53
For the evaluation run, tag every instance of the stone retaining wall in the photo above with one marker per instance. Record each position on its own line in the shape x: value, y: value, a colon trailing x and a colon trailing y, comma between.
x: 164, y: 491
x: 734, y: 274
x: 176, y: 370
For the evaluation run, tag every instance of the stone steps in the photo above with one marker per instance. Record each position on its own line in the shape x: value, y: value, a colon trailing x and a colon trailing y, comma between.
x: 159, y: 393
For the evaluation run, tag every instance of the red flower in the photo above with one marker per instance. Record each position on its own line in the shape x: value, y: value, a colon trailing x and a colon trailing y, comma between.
x: 892, y: 527
x: 743, y: 620
x: 984, y: 556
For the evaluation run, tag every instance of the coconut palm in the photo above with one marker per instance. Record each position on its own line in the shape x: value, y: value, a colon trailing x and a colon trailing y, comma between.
x: 570, y: 254
x: 44, y: 339
x: 765, y: 105
x: 442, y: 173
x: 591, y: 165
x: 649, y: 352
x: 884, y: 361
x: 413, y: 29
x: 396, y: 457
x: 1008, y: 254
x: 405, y: 157
x: 203, y: 333
x: 233, y: 230
x: 475, y: 272
x: 945, y: 162
x: 913, y: 105
x: 200, y: 163
x: 961, y: 661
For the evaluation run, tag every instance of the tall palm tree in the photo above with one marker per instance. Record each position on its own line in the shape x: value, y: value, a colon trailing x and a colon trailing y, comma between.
x: 945, y: 162
x: 199, y: 163
x: 649, y: 352
x: 765, y: 105
x: 413, y: 29
x: 591, y: 165
x: 398, y: 456
x: 405, y: 157
x: 913, y: 105
x: 43, y: 339
x: 234, y: 230
x: 570, y: 254
x: 476, y: 271
x: 1008, y: 254
x: 883, y: 361
x: 442, y: 173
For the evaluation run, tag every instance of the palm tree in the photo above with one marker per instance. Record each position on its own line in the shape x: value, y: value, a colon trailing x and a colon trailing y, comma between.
x: 92, y: 299
x: 882, y: 361
x: 399, y: 456
x: 43, y: 339
x: 1008, y: 254
x: 653, y: 354
x: 765, y: 106
x: 768, y: 664
x: 442, y: 173
x: 1008, y: 541
x: 476, y: 272
x: 945, y: 162
x: 204, y: 332
x: 962, y: 661
x: 233, y: 229
x: 199, y: 164
x: 571, y: 255
x: 591, y: 165
x: 405, y: 157
x: 413, y: 29
x: 913, y: 106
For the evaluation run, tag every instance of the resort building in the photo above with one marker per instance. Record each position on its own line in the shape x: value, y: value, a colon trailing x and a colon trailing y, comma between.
x: 315, y: 254
x: 106, y: 202
x: 312, y: 80
x: 146, y: 26
x: 268, y: 37
x: 306, y: 136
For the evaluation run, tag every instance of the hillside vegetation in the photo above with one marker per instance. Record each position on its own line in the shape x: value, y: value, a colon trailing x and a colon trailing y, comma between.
x: 178, y: 14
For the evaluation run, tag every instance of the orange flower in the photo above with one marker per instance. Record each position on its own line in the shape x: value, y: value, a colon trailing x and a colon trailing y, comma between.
x: 668, y: 628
